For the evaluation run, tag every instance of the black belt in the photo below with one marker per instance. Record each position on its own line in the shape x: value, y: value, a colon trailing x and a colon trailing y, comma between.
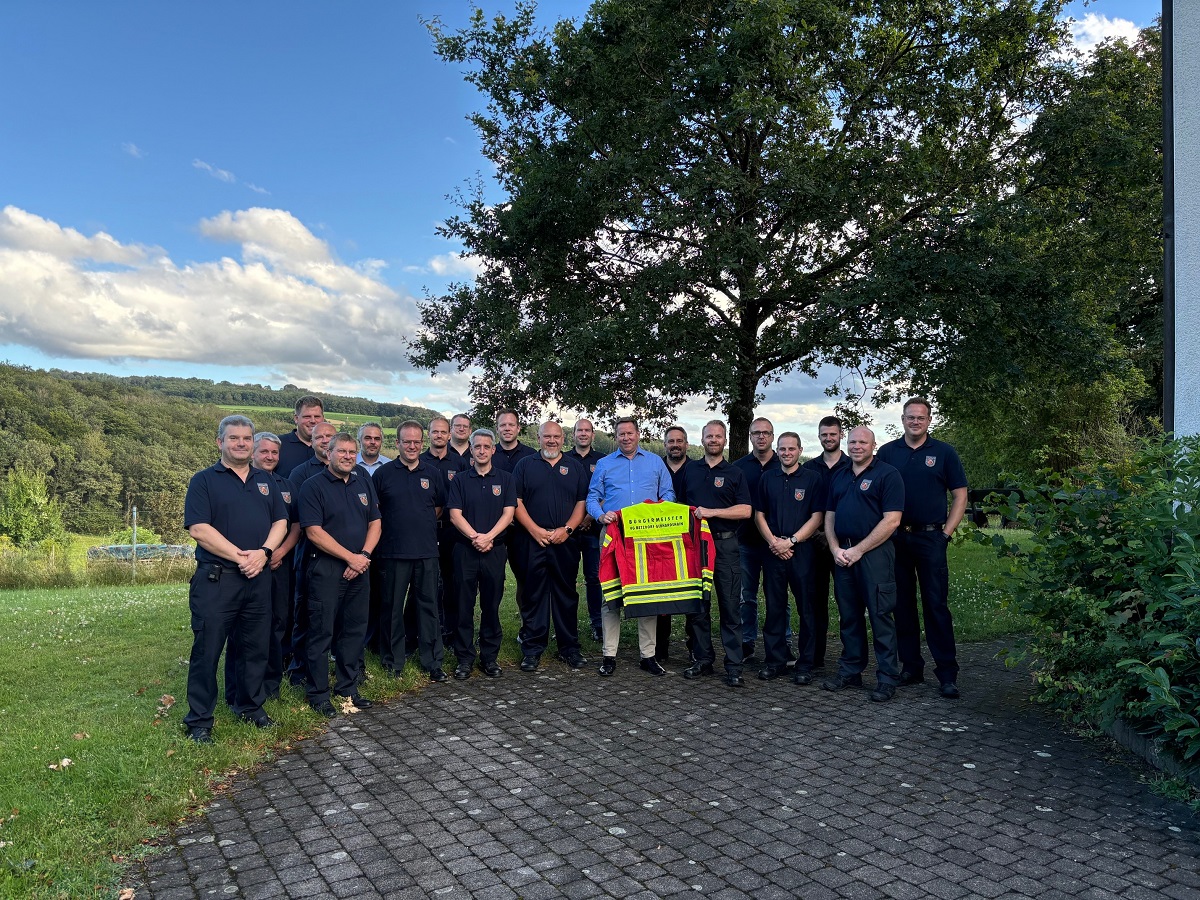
x: 209, y: 567
x: 724, y: 535
x: 911, y: 528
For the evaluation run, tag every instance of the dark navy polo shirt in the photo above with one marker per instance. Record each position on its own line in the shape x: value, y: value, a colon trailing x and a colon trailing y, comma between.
x: 753, y: 471
x: 788, y: 501
x: 408, y: 503
x: 311, y: 467
x: 589, y: 461
x: 290, y: 499
x: 343, y: 508
x: 482, y: 498
x: 817, y: 464
x: 715, y: 487
x: 292, y: 452
x: 859, y: 501
x: 465, y: 456
x: 506, y: 460
x: 677, y: 479
x: 448, y: 465
x: 929, y: 472
x: 242, y: 512
x: 550, y: 491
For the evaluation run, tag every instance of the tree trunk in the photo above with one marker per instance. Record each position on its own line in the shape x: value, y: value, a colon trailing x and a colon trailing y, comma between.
x: 741, y: 412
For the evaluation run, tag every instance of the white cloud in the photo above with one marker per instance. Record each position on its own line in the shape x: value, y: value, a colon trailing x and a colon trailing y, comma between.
x: 288, y: 305
x: 450, y: 264
x: 257, y: 189
x: 219, y: 174
x: 1095, y: 28
x: 133, y: 150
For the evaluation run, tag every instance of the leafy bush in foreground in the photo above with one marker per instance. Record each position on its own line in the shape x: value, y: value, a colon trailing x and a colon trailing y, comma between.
x: 1109, y: 579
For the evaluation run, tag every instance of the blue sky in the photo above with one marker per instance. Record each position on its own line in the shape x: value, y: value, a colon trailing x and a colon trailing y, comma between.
x: 250, y: 190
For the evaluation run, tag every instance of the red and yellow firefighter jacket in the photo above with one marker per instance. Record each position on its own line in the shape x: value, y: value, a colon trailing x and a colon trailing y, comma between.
x: 656, y: 558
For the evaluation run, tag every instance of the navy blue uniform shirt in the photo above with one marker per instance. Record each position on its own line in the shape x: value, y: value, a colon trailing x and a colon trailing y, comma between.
x: 482, y: 498
x: 677, y: 479
x: 408, y: 503
x: 589, y: 461
x: 753, y: 472
x: 506, y: 460
x: 448, y: 465
x: 343, y: 508
x: 292, y: 452
x: 788, y: 501
x: 550, y: 491
x: 817, y: 464
x: 929, y: 472
x: 859, y: 501
x: 242, y: 512
x: 314, y: 466
x: 715, y: 487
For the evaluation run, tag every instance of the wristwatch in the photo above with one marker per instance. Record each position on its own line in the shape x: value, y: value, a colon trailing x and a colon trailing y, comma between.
x: 569, y: 530
x: 268, y: 551
x: 792, y: 538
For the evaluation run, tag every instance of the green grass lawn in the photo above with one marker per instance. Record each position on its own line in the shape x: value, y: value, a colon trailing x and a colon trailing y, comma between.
x: 83, y: 676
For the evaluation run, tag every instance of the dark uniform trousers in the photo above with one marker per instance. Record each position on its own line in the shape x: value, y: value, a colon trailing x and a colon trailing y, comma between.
x: 550, y: 594
x: 447, y: 593
x: 483, y: 573
x: 870, y: 585
x: 796, y: 574
x: 375, y: 608
x: 588, y: 543
x: 298, y: 669
x: 281, y: 608
x: 921, y: 558
x: 224, y: 601
x: 337, y: 619
x: 823, y: 567
x: 399, y: 576
x: 727, y: 579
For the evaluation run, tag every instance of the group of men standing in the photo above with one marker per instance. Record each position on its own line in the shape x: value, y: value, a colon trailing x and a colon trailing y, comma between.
x: 315, y: 542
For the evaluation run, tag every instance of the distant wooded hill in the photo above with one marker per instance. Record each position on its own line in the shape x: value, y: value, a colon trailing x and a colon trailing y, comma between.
x: 106, y: 444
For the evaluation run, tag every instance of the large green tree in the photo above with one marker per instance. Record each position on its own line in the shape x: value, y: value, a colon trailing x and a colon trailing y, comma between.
x: 700, y: 196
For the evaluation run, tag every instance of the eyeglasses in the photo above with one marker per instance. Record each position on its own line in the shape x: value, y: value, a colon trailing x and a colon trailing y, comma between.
x: 761, y: 433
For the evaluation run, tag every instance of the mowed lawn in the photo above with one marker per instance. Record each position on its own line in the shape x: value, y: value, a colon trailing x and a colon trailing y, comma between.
x: 93, y: 761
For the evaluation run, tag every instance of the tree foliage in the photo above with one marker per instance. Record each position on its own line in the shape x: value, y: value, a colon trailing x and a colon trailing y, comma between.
x: 28, y: 514
x: 1060, y: 349
x: 703, y: 197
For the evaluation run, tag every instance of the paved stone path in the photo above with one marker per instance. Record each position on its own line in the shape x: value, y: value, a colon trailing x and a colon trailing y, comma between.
x: 564, y: 784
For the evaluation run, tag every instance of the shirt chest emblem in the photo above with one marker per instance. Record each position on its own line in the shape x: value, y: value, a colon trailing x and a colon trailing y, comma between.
x: 264, y: 489
x: 495, y: 490
x: 449, y: 476
x: 930, y: 461
x: 865, y: 485
x: 799, y: 493
x: 424, y: 484
x: 563, y: 470
x: 362, y: 498
x: 592, y: 468
x: 287, y: 496
x: 719, y: 481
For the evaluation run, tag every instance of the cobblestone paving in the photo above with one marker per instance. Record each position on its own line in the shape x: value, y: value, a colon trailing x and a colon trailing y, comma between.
x: 564, y: 784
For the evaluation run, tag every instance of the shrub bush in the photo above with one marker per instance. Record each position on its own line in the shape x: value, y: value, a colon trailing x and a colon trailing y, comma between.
x: 28, y: 515
x: 125, y: 536
x: 1110, y: 580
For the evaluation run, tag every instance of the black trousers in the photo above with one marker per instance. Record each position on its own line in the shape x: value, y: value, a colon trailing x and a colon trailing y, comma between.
x: 588, y: 543
x: 447, y: 593
x: 375, y: 608
x: 416, y: 579
x: 869, y: 585
x: 482, y: 574
x: 727, y: 579
x: 337, y: 619
x: 298, y: 670
x: 822, y: 577
x: 223, y: 601
x: 780, y: 575
x: 550, y: 595
x: 921, y: 559
x: 281, y: 608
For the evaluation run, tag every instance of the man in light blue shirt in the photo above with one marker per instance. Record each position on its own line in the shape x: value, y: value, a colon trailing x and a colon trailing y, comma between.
x: 627, y: 476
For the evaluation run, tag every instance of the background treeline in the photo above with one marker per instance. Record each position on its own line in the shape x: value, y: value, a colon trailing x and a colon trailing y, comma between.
x: 226, y: 394
x: 102, y: 444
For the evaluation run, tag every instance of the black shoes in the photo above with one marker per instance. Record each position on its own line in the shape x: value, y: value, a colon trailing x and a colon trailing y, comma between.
x: 883, y: 693
x: 949, y: 690
x: 200, y: 735
x: 359, y: 702
x: 529, y: 663
x: 326, y: 709
x: 574, y: 659
x: 734, y: 680
x: 769, y: 673
x: 259, y: 721
x: 802, y: 678
x: 695, y: 670
x: 650, y: 664
x: 837, y: 682
x: 437, y: 676
x: 462, y: 672
x: 608, y: 665
x: 907, y: 679
x: 597, y: 635
x: 490, y: 669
